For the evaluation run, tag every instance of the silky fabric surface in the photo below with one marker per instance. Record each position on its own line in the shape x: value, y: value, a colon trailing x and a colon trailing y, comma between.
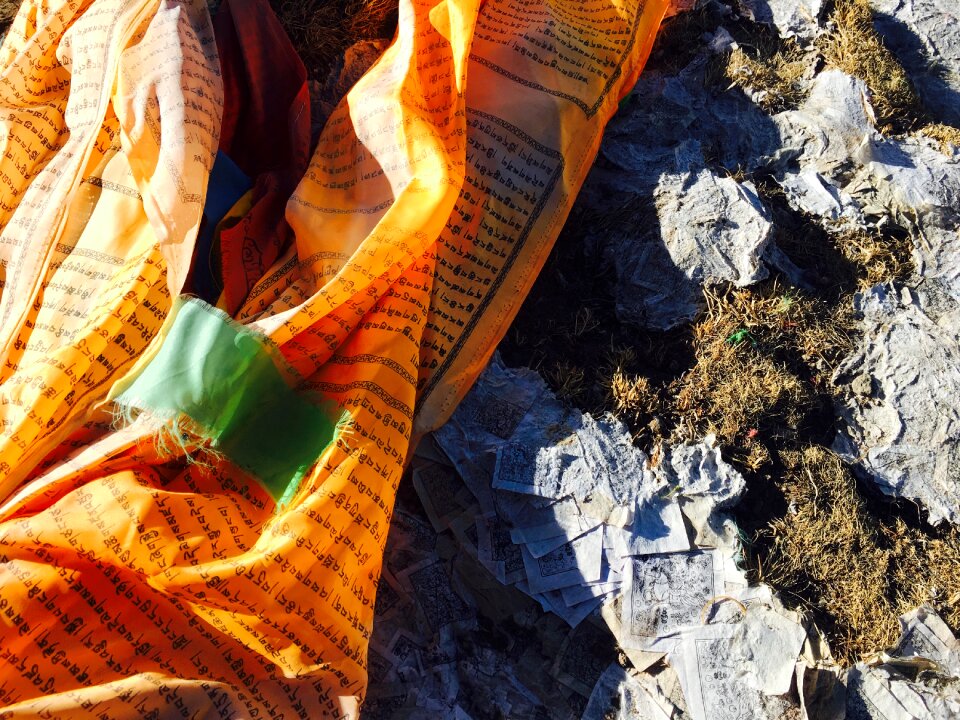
x: 147, y: 570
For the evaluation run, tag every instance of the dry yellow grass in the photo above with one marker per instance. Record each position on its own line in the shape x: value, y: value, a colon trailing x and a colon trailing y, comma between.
x: 774, y: 70
x: 947, y: 135
x: 321, y: 30
x: 316, y: 29
x: 857, y: 570
x: 631, y: 397
x: 371, y: 19
x: 877, y: 258
x: 8, y: 10
x: 750, y: 345
x: 567, y: 380
x: 854, y: 46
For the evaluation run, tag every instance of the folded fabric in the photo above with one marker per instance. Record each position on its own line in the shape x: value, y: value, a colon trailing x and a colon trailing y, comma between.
x: 195, y: 503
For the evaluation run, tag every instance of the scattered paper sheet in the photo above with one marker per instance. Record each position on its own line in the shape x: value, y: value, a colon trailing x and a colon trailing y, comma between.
x: 623, y: 695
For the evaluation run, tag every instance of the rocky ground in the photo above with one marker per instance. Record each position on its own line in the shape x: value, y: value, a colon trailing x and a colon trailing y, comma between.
x: 767, y: 250
x: 765, y: 253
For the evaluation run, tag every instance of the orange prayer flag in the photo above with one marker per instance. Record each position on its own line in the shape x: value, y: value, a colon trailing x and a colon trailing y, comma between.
x: 195, y: 505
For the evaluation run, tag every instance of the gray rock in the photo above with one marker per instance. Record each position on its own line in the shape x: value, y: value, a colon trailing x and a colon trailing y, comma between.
x: 699, y: 470
x: 703, y: 229
x: 820, y: 145
x: 693, y: 226
x: 906, y: 434
x: 835, y: 166
x: 883, y: 692
x: 899, y: 420
x: 792, y: 18
x: 711, y: 229
x: 915, y: 185
x: 923, y: 35
x: 914, y: 679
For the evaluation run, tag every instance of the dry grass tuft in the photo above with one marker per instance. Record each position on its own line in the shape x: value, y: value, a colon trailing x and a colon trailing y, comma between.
x: 760, y: 352
x: 925, y: 569
x: 947, y: 135
x: 827, y: 549
x: 317, y: 31
x: 631, y: 397
x: 373, y: 19
x: 854, y: 46
x: 584, y: 321
x: 856, y: 571
x: 321, y: 30
x: 567, y: 380
x: 8, y: 11
x: 837, y: 261
x: 877, y: 258
x: 775, y: 71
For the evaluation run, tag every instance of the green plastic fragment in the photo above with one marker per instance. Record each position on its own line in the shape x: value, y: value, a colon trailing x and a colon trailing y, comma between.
x: 740, y: 336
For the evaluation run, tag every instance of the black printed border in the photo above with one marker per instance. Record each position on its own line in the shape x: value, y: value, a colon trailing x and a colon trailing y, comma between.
x: 514, y: 253
x: 588, y: 110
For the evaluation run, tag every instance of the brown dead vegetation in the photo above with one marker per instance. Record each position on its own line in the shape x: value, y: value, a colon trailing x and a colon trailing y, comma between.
x: 946, y: 135
x: 321, y: 30
x: 877, y: 258
x: 853, y: 568
x: 854, y: 46
x: 772, y: 70
x: 837, y: 261
x: 8, y: 11
x: 567, y: 381
x: 631, y: 397
x: 761, y: 354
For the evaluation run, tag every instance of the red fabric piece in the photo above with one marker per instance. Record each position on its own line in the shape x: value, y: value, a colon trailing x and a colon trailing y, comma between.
x: 266, y: 132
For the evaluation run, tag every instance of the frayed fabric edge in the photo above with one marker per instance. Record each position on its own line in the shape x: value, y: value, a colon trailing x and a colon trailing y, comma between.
x: 173, y: 435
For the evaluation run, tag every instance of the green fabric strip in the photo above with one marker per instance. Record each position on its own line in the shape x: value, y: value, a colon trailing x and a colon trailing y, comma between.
x: 228, y: 381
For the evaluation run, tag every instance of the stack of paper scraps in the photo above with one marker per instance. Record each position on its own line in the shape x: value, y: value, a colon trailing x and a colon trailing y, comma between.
x: 640, y: 608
